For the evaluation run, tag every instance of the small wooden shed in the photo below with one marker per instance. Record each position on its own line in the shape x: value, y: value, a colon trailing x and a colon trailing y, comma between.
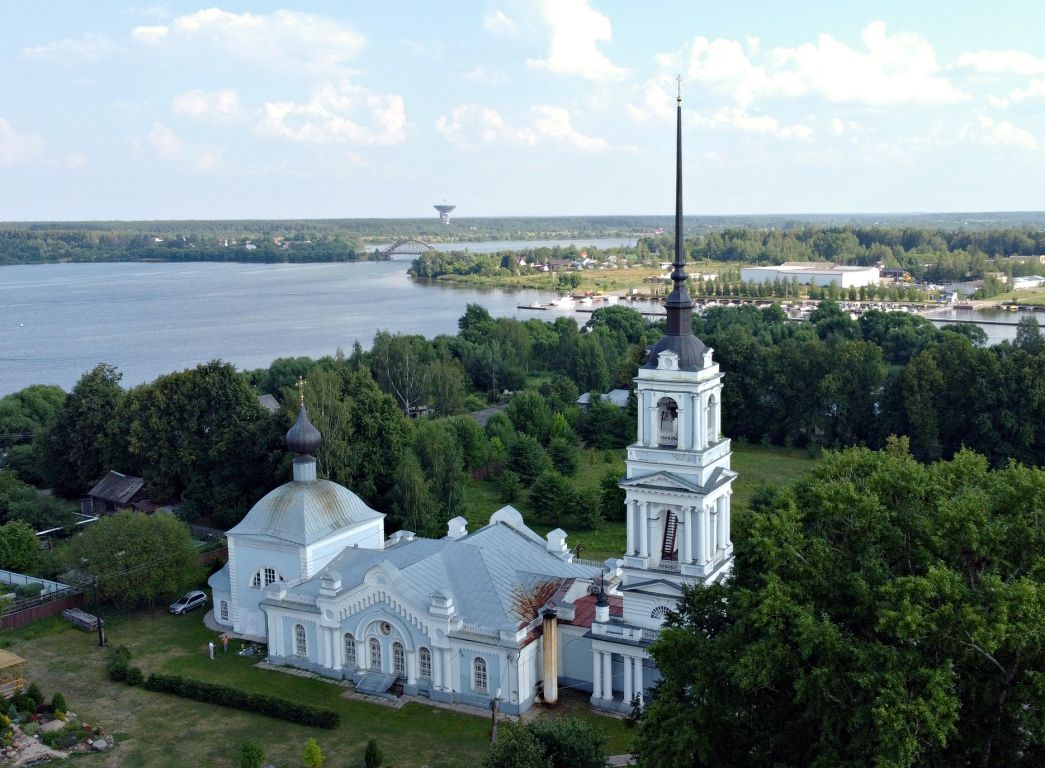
x: 12, y: 674
x: 116, y: 491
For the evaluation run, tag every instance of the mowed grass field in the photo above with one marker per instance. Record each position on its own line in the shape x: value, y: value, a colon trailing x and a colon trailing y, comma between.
x: 156, y: 729
x: 757, y: 465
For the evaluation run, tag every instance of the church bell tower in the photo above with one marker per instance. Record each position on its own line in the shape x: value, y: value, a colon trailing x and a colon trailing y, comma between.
x: 678, y: 481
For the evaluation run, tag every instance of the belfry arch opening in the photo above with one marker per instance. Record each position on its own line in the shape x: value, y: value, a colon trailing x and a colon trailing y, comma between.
x: 667, y: 423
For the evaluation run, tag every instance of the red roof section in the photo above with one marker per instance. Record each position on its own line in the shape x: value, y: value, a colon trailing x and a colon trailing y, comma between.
x: 584, y: 610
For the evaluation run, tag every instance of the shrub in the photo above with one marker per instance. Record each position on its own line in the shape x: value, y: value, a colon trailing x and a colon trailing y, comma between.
x: 118, y: 664
x: 31, y: 729
x: 313, y: 756
x: 254, y: 702
x: 34, y: 693
x: 569, y: 743
x: 563, y: 456
x: 373, y: 757
x: 68, y: 740
x: 58, y: 703
x: 509, y: 486
x: 251, y: 754
x: 135, y: 676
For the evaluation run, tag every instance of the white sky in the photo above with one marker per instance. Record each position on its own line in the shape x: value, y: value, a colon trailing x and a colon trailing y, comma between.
x: 518, y: 107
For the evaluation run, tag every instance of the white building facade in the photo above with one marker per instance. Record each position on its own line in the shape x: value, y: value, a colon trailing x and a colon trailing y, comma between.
x: 821, y: 274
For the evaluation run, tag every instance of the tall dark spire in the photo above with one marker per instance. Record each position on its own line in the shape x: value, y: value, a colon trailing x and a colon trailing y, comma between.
x: 679, y: 340
x: 679, y: 305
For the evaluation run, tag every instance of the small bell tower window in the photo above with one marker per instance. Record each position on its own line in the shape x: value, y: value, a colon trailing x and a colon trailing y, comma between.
x: 667, y: 423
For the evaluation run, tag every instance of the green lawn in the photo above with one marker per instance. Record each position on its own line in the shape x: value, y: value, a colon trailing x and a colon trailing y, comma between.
x: 757, y: 465
x: 155, y: 729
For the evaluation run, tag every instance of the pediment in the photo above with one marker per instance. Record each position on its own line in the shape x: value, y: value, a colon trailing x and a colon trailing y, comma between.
x: 662, y: 481
x: 659, y: 587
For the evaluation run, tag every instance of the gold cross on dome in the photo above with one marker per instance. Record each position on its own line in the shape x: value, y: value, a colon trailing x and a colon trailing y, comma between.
x: 301, y: 389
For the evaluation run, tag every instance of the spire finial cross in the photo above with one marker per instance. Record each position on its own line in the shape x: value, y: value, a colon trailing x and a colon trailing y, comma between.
x: 301, y: 389
x: 678, y: 84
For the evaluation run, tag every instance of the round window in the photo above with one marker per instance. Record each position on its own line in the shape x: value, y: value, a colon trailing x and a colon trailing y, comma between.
x: 386, y: 628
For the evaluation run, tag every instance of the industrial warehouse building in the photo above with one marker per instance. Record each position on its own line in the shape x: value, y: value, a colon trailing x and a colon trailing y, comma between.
x: 818, y: 273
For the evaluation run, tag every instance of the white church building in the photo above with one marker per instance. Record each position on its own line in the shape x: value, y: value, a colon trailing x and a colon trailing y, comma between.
x: 499, y: 612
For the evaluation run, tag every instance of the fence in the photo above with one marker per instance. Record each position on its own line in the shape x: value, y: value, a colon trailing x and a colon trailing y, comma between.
x: 20, y: 579
x: 27, y: 611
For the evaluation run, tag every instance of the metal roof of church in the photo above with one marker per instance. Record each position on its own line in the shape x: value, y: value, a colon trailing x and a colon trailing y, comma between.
x: 498, y: 576
x: 305, y: 512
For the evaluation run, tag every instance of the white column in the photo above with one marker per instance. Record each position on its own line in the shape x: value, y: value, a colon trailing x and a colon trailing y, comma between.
x: 644, y: 530
x: 437, y: 669
x: 596, y: 674
x: 701, y: 441
x: 709, y: 547
x: 360, y: 654
x: 627, y: 679
x: 720, y: 506
x: 728, y: 514
x: 411, y: 667
x: 638, y: 679
x: 687, y: 536
x: 607, y: 675
x: 338, y: 648
x: 652, y: 422
x: 632, y: 512
x: 684, y: 426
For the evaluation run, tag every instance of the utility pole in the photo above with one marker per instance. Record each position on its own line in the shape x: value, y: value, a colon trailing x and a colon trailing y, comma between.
x: 98, y: 613
x: 493, y: 716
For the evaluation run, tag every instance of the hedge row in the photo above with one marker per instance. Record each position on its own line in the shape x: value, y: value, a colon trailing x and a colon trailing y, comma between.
x: 250, y: 702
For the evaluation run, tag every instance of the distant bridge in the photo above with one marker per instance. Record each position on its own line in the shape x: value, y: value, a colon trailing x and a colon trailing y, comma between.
x: 407, y: 248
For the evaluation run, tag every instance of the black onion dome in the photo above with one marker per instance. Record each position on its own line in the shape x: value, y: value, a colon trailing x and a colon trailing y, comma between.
x: 303, y: 438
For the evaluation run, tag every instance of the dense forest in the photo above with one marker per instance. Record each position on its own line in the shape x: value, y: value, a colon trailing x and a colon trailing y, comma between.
x: 941, y: 246
x: 199, y: 437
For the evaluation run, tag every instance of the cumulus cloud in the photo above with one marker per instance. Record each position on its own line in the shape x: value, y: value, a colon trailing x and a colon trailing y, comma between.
x: 280, y: 41
x: 163, y: 143
x: 483, y: 76
x: 555, y: 123
x: 497, y: 21
x: 899, y: 68
x: 198, y: 104
x: 656, y: 100
x: 86, y: 48
x: 19, y: 148
x: 1035, y: 90
x: 998, y: 133
x: 576, y: 30
x: 987, y: 62
x: 337, y: 114
x: 471, y: 125
x: 740, y: 120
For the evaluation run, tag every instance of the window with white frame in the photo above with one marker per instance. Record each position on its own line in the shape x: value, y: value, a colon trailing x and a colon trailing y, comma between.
x: 424, y: 662
x: 224, y: 608
x: 263, y: 577
x: 479, y: 673
x: 300, y: 644
x: 398, y: 659
x: 350, y: 651
x: 375, y: 654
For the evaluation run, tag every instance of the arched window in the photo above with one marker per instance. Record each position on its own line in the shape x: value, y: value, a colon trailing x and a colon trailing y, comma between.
x: 398, y: 659
x: 479, y: 673
x: 424, y: 661
x: 350, y: 651
x: 659, y: 612
x: 224, y: 610
x: 712, y: 417
x: 263, y: 577
x: 667, y: 423
x: 300, y: 645
x: 375, y: 654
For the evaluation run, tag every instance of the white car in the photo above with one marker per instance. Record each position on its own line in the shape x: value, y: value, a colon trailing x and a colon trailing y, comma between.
x: 188, y: 601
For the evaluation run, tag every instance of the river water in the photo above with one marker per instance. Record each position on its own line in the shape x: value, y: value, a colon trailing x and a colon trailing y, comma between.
x: 59, y: 320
